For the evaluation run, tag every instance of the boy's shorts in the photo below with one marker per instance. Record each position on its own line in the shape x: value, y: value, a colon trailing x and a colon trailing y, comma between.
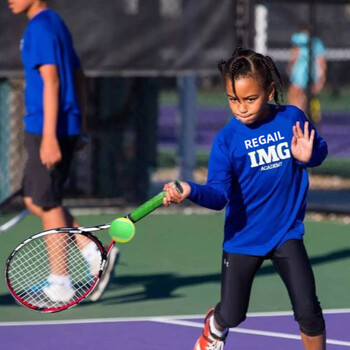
x: 44, y: 186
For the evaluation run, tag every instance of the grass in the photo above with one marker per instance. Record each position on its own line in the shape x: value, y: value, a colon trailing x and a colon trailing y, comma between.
x: 332, y: 100
x: 334, y: 166
x: 331, y: 166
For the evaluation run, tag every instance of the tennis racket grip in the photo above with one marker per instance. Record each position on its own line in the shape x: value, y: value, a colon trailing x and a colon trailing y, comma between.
x: 152, y: 204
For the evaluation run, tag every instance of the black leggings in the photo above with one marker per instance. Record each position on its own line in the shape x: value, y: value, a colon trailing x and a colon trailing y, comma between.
x: 292, y: 264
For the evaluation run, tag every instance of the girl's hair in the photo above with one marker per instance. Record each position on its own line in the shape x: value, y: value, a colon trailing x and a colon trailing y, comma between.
x: 248, y: 63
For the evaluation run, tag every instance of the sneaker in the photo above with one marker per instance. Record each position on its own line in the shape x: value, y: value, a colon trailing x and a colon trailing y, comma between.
x: 59, y: 289
x: 93, y: 259
x: 102, y: 285
x: 36, y: 288
x: 209, y: 341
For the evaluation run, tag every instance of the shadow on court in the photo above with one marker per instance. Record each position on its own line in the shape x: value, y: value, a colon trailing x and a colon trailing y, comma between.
x: 164, y: 286
x: 7, y: 299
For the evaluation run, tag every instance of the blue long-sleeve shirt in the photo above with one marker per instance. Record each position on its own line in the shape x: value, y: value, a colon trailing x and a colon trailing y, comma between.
x: 253, y: 173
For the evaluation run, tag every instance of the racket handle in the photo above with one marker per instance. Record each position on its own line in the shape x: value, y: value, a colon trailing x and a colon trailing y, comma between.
x: 152, y: 204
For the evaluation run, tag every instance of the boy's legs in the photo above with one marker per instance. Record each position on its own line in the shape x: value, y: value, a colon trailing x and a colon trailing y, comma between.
x: 293, y: 265
x: 43, y: 192
x: 297, y: 97
x: 50, y: 217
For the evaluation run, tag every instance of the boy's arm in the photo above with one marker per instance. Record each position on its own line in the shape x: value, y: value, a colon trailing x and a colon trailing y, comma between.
x: 294, y: 53
x: 50, y: 152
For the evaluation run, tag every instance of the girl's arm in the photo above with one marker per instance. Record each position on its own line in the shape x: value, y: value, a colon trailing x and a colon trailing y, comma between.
x: 50, y: 152
x: 214, y: 194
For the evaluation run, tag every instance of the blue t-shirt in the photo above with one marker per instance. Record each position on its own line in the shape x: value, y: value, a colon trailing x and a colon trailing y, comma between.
x: 252, y: 171
x: 299, y: 73
x: 47, y: 40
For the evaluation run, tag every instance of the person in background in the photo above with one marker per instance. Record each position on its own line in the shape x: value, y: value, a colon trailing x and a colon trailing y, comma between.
x: 55, y: 100
x: 298, y: 68
x: 258, y: 171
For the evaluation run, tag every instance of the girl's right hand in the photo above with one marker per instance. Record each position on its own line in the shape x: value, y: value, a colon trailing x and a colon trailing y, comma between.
x: 173, y: 195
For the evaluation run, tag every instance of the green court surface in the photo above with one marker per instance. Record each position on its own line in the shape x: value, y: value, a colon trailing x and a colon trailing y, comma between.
x: 172, y: 267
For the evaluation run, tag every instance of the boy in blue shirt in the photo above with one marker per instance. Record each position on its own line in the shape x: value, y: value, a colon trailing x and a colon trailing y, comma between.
x: 55, y: 107
x: 257, y: 169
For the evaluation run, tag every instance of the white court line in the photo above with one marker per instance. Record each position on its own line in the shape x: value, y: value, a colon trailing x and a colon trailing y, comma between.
x: 246, y: 331
x: 289, y: 313
x: 178, y: 320
x: 151, y: 318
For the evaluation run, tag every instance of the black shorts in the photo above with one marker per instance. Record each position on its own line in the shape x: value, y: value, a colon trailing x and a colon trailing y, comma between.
x: 44, y: 186
x: 292, y: 264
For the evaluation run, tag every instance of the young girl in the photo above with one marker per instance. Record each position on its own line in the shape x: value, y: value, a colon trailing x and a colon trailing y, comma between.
x: 257, y: 169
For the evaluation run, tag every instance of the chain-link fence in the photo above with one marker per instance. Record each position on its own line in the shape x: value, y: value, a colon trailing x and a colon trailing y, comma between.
x: 329, y: 22
x: 12, y: 155
x: 135, y: 122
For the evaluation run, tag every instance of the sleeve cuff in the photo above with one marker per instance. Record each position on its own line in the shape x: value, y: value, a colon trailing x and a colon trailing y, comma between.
x: 193, y: 192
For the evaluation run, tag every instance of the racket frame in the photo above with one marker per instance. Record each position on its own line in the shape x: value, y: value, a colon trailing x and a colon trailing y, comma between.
x: 136, y: 215
x: 69, y: 231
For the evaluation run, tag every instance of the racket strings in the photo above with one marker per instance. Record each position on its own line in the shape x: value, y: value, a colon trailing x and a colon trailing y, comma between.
x: 22, y: 267
x: 33, y: 266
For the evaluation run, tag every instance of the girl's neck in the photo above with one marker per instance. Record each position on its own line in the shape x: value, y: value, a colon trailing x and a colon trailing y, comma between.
x: 266, y: 113
x: 36, y: 8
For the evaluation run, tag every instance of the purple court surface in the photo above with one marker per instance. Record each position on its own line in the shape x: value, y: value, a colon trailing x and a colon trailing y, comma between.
x: 263, y: 331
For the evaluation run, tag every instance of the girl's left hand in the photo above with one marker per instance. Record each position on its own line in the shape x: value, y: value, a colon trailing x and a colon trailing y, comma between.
x: 302, y: 142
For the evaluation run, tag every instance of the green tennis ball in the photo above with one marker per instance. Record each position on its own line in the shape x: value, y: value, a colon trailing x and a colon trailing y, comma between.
x: 122, y: 230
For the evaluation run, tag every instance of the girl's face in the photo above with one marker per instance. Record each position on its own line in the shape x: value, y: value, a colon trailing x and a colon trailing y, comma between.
x: 250, y: 103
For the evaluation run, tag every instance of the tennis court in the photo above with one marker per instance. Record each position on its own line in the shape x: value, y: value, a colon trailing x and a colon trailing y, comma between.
x: 166, y: 279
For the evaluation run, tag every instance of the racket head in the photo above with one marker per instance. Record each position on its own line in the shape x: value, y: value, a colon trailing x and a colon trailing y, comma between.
x: 78, y: 256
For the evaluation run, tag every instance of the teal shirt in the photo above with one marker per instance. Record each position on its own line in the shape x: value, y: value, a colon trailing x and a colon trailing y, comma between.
x: 299, y: 74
